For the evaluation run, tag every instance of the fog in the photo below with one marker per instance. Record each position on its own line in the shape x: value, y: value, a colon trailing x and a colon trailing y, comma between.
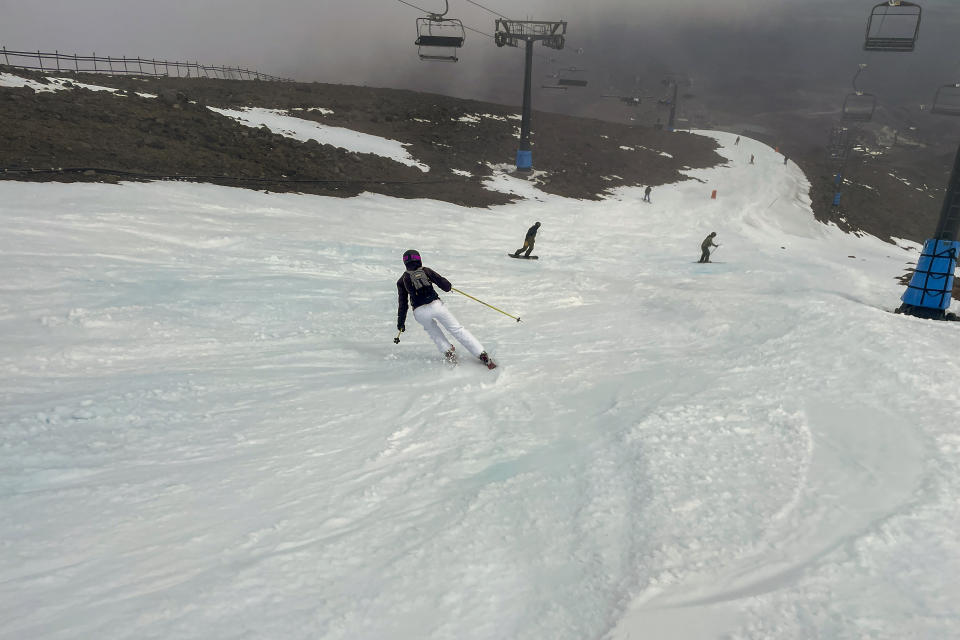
x: 766, y: 50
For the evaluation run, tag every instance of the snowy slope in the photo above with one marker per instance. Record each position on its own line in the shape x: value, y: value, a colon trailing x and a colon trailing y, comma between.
x: 206, y: 430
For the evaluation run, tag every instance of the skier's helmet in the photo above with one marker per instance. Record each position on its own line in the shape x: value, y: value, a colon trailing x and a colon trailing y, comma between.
x: 411, y: 259
x: 537, y: 224
x: 713, y: 233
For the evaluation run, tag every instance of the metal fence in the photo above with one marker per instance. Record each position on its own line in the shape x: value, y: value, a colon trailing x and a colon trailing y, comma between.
x: 60, y: 62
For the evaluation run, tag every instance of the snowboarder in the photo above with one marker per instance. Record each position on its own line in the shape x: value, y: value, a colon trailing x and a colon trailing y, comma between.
x: 528, y: 241
x: 646, y: 194
x: 416, y: 284
x: 705, y: 247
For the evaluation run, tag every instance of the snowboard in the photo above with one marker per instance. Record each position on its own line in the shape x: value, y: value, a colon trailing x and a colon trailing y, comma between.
x: 524, y: 257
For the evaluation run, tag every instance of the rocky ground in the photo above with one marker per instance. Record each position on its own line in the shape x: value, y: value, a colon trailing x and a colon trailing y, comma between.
x: 176, y: 135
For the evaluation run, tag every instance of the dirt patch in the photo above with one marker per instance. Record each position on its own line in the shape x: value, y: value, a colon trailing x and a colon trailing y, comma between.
x: 176, y: 135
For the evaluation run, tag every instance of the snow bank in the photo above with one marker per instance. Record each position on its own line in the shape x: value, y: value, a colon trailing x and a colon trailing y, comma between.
x: 56, y: 84
x: 300, y: 129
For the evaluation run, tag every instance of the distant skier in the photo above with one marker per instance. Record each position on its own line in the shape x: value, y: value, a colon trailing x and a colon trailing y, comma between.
x: 784, y: 160
x: 528, y: 241
x: 417, y: 284
x: 751, y: 158
x: 737, y: 141
x: 705, y: 247
x: 646, y: 194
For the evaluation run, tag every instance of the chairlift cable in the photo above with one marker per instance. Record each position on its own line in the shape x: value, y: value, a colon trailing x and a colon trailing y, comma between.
x: 464, y: 26
x: 489, y: 35
x: 496, y: 13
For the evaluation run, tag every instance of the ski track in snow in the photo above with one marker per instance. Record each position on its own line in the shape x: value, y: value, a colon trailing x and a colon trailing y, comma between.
x: 206, y: 430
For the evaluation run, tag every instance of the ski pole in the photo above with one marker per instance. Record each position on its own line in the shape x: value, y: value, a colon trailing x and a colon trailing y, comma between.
x: 484, y: 303
x: 397, y: 339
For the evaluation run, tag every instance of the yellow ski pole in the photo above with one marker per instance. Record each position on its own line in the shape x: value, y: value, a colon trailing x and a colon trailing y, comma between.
x: 484, y: 303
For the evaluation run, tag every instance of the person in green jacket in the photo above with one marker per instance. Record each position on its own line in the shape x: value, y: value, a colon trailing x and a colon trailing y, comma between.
x: 705, y: 246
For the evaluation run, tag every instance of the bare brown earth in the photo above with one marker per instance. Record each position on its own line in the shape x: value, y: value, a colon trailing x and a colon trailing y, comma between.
x: 176, y: 135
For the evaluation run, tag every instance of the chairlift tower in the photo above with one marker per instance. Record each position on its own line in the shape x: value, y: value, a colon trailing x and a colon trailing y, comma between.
x: 894, y: 26
x: 673, y: 83
x: 510, y: 33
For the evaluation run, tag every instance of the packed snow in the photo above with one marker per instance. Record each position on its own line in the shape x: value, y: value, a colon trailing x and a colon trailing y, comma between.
x: 207, y: 431
x: 299, y: 129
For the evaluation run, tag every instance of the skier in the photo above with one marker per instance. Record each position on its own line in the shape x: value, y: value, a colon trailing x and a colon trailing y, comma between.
x: 705, y: 247
x: 528, y: 241
x: 751, y: 158
x: 737, y: 141
x: 646, y: 194
x: 417, y: 284
x: 784, y: 160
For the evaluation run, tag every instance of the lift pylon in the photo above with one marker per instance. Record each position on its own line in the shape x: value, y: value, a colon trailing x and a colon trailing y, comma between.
x: 510, y: 33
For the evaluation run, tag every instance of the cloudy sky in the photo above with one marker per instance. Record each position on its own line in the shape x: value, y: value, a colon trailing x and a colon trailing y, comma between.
x: 724, y: 45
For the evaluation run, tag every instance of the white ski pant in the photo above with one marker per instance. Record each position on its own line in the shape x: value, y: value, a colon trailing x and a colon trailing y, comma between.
x: 432, y: 315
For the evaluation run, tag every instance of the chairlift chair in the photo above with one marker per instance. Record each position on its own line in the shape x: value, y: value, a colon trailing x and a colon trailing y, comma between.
x: 947, y: 100
x: 894, y: 26
x: 569, y: 77
x: 439, y: 37
x: 859, y: 107
x: 630, y: 101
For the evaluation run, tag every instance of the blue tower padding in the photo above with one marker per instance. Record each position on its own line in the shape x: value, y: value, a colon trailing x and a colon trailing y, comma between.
x: 838, y: 178
x: 836, y: 199
x: 932, y: 283
x: 524, y: 160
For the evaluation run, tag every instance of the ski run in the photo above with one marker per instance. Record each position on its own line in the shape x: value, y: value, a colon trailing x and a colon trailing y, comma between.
x: 207, y: 431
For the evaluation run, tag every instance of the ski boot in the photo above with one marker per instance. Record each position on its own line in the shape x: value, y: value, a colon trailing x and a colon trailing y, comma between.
x: 451, y: 356
x: 485, y: 359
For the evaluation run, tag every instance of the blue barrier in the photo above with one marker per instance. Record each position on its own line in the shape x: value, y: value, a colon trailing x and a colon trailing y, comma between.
x: 836, y: 199
x: 932, y: 283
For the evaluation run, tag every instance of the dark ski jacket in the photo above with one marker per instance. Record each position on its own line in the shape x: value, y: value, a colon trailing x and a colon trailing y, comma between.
x: 707, y: 243
x: 532, y: 233
x: 416, y: 285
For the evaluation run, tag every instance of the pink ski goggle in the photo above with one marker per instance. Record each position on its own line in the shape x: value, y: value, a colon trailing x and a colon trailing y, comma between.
x: 411, y: 257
